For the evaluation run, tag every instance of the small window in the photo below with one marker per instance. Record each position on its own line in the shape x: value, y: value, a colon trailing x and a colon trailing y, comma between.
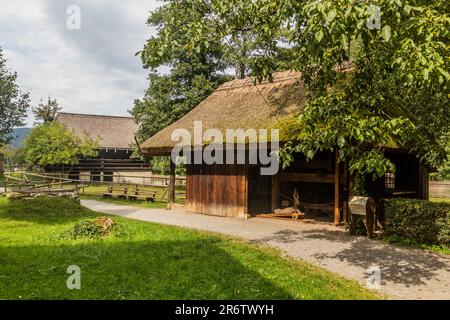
x: 389, y: 180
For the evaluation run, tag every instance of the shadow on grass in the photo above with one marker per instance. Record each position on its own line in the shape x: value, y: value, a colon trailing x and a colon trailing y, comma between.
x: 44, y: 210
x: 136, y: 203
x: 197, y: 269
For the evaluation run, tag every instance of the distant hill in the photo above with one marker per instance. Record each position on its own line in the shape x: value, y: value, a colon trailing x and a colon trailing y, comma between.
x: 18, y: 135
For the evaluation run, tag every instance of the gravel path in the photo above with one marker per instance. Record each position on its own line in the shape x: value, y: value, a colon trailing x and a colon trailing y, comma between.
x: 405, y: 273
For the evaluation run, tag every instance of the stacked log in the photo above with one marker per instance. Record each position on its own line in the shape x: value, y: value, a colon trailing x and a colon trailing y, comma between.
x: 36, y: 193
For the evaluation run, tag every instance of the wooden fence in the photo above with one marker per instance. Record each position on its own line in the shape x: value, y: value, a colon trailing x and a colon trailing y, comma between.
x: 25, y: 181
x: 439, y: 189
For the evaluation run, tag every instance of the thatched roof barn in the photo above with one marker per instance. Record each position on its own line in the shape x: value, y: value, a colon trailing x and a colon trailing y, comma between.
x: 115, y: 136
x: 238, y: 104
x: 323, y: 184
x: 112, y: 132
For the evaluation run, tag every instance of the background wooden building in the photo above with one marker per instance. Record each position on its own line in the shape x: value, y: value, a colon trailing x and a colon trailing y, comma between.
x: 234, y: 190
x: 115, y: 136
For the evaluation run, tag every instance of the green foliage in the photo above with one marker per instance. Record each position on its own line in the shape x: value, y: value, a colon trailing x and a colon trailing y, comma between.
x: 195, y: 70
x: 92, y: 228
x: 192, y: 76
x: 52, y: 145
x: 168, y: 98
x: 395, y: 95
x: 359, y: 185
x: 444, y: 170
x: 13, y: 107
x: 418, y: 220
x: 16, y: 156
x: 13, y: 103
x: 161, y: 165
x: 46, y: 113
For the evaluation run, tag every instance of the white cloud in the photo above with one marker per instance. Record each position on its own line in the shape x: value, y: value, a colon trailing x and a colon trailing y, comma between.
x: 92, y: 70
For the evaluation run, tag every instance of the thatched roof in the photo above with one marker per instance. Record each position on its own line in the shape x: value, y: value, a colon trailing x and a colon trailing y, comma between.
x: 238, y: 104
x: 111, y: 131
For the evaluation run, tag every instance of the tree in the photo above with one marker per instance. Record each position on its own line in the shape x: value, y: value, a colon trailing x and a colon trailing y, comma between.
x: 45, y: 113
x: 195, y: 71
x: 15, y: 156
x: 444, y: 170
x: 13, y: 107
x: 192, y: 76
x: 394, y: 95
x: 52, y: 144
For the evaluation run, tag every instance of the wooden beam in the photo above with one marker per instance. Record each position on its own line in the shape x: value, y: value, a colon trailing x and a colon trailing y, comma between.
x: 171, y: 187
x: 336, y: 188
x: 309, y: 177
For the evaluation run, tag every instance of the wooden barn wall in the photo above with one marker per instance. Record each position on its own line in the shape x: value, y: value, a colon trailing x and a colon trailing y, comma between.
x: 217, y: 190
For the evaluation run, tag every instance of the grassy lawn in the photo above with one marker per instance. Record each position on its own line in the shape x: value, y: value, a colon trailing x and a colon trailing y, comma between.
x: 440, y: 199
x: 146, y: 261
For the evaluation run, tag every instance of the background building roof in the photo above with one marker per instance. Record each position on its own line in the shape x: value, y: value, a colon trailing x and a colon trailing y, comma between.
x: 111, y: 131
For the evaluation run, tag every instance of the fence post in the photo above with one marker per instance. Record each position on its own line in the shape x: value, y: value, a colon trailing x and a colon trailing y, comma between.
x: 171, y: 187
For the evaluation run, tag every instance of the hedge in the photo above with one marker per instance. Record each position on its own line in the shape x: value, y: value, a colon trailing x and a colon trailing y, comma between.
x: 419, y: 220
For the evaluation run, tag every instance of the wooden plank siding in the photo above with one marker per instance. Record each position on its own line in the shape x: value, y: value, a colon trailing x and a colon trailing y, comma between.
x: 216, y: 190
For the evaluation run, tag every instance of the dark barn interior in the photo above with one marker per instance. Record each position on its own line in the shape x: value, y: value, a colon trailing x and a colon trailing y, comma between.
x: 237, y: 190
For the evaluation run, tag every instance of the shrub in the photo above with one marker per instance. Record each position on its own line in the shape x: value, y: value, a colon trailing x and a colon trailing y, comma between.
x: 99, y: 227
x: 418, y: 220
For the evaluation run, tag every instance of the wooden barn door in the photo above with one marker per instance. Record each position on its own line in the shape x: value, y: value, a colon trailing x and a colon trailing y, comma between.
x: 216, y: 190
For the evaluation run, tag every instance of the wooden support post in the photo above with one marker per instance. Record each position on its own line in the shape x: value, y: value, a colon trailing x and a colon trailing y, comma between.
x: 346, y: 193
x: 352, y: 217
x: 171, y: 187
x: 2, y: 165
x: 336, y: 188
x: 345, y: 211
x: 274, y: 192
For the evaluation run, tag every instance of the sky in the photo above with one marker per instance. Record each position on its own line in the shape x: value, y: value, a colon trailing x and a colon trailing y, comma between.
x: 81, y: 52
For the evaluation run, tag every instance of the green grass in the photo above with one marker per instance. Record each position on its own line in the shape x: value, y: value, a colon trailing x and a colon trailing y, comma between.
x: 146, y: 261
x: 442, y: 249
x: 440, y: 199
